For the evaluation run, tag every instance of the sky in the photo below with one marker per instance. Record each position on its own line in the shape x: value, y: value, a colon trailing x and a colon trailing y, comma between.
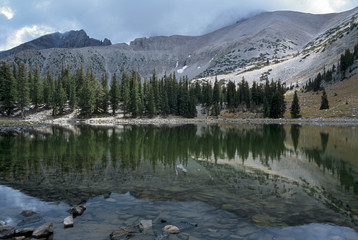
x: 124, y: 20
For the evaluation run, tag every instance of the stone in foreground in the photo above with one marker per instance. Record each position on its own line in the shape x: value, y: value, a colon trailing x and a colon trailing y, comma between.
x: 121, y: 233
x: 171, y: 229
x: 145, y: 224
x: 68, y: 222
x: 6, y: 231
x: 78, y: 211
x: 43, y: 231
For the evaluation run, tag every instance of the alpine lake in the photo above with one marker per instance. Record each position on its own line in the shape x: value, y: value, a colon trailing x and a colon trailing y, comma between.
x: 241, y: 181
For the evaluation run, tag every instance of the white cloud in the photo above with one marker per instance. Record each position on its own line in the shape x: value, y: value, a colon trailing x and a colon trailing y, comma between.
x: 24, y: 34
x: 8, y: 12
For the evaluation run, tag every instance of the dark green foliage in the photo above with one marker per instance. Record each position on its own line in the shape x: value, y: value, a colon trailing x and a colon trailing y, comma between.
x: 87, y: 95
x: 295, y: 107
x: 8, y: 89
x: 105, y: 93
x: 324, y: 101
x: 23, y: 88
x: 125, y: 93
x: 114, y: 94
x: 36, y: 96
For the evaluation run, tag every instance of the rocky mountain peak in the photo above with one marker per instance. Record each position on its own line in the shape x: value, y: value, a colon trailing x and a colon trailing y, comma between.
x: 71, y: 39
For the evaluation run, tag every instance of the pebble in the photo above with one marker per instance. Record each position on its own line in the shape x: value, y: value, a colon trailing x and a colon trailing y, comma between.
x: 171, y: 229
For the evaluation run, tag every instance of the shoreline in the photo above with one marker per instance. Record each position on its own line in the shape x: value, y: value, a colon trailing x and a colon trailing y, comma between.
x: 13, y: 124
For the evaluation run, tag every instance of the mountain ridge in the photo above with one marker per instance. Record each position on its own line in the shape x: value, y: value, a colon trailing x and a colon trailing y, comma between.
x: 267, y: 37
x: 70, y: 39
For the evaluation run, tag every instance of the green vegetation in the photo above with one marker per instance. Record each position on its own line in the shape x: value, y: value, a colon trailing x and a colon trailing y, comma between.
x: 324, y: 101
x: 131, y: 95
x: 295, y: 107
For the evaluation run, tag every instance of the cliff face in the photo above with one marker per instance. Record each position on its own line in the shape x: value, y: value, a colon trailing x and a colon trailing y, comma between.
x: 71, y: 39
x: 270, y: 38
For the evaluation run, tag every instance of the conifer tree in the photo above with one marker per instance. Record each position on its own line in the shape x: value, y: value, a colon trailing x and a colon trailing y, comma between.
x: 150, y: 101
x: 135, y: 97
x: 105, y: 90
x: 47, y: 90
x: 295, y: 107
x: 125, y: 93
x: 37, y: 87
x: 87, y: 95
x: 72, y: 93
x: 8, y: 89
x: 114, y: 94
x: 324, y: 101
x: 23, y: 94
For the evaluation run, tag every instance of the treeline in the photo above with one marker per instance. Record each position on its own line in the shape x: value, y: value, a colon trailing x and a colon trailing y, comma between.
x: 267, y: 98
x: 346, y: 61
x: 22, y: 87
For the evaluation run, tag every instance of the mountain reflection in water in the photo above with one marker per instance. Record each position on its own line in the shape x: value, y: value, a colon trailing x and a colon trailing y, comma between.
x: 267, y: 175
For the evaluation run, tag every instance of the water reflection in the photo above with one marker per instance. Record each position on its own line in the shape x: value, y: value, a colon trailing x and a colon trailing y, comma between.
x: 269, y: 175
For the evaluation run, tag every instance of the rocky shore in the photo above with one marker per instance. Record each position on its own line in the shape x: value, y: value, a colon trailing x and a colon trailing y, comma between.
x: 16, y: 125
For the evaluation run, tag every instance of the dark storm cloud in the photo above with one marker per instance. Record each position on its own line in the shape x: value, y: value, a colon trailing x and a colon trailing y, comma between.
x: 124, y: 20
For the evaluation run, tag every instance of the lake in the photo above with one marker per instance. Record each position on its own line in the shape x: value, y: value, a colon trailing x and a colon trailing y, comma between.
x: 212, y: 181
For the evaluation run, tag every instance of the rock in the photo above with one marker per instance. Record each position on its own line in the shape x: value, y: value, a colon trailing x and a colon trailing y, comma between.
x: 68, y: 222
x: 121, y: 233
x: 171, y: 229
x: 145, y: 224
x: 181, y: 167
x: 30, y: 217
x: 44, y: 230
x: 2, y: 223
x: 20, y: 238
x: 27, y: 232
x: 28, y: 213
x: 78, y: 210
x: 6, y: 231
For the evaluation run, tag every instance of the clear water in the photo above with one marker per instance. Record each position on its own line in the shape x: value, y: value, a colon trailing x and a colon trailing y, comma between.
x: 234, y: 181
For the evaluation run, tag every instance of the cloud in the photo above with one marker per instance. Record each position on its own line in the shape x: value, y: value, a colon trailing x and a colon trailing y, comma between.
x: 8, y: 12
x: 125, y: 20
x: 24, y: 34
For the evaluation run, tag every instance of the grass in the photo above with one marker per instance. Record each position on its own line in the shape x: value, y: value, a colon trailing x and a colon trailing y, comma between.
x: 342, y: 98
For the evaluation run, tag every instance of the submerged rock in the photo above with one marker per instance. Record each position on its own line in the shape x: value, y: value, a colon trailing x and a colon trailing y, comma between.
x: 6, y: 231
x: 145, y: 224
x: 68, y: 222
x: 171, y: 229
x: 78, y: 210
x: 121, y: 233
x: 30, y: 217
x: 44, y: 230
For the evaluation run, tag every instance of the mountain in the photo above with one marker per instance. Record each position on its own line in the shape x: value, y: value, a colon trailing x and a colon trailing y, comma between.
x: 71, y: 39
x: 284, y: 45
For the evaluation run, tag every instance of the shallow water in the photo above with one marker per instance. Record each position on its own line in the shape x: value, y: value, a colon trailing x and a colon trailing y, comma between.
x: 235, y: 182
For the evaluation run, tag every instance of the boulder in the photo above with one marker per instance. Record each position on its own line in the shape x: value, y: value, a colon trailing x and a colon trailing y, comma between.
x: 27, y: 232
x: 145, y: 224
x: 6, y: 231
x: 121, y: 233
x: 171, y: 229
x: 44, y: 230
x: 68, y: 222
x: 2, y: 223
x: 20, y: 238
x: 78, y: 210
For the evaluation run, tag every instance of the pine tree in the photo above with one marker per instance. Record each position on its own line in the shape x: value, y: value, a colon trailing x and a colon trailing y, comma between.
x: 47, y: 90
x: 60, y: 97
x: 135, y: 97
x: 295, y: 107
x: 87, y: 95
x: 8, y: 89
x: 37, y: 87
x: 324, y: 101
x: 125, y: 93
x: 23, y: 97
x: 72, y: 93
x: 114, y: 94
x: 105, y: 98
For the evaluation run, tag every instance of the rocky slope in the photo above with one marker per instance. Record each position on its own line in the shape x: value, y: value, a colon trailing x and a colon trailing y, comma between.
x: 293, y: 44
x: 71, y: 39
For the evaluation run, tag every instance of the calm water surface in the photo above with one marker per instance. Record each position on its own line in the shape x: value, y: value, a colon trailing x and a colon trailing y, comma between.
x: 234, y: 181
